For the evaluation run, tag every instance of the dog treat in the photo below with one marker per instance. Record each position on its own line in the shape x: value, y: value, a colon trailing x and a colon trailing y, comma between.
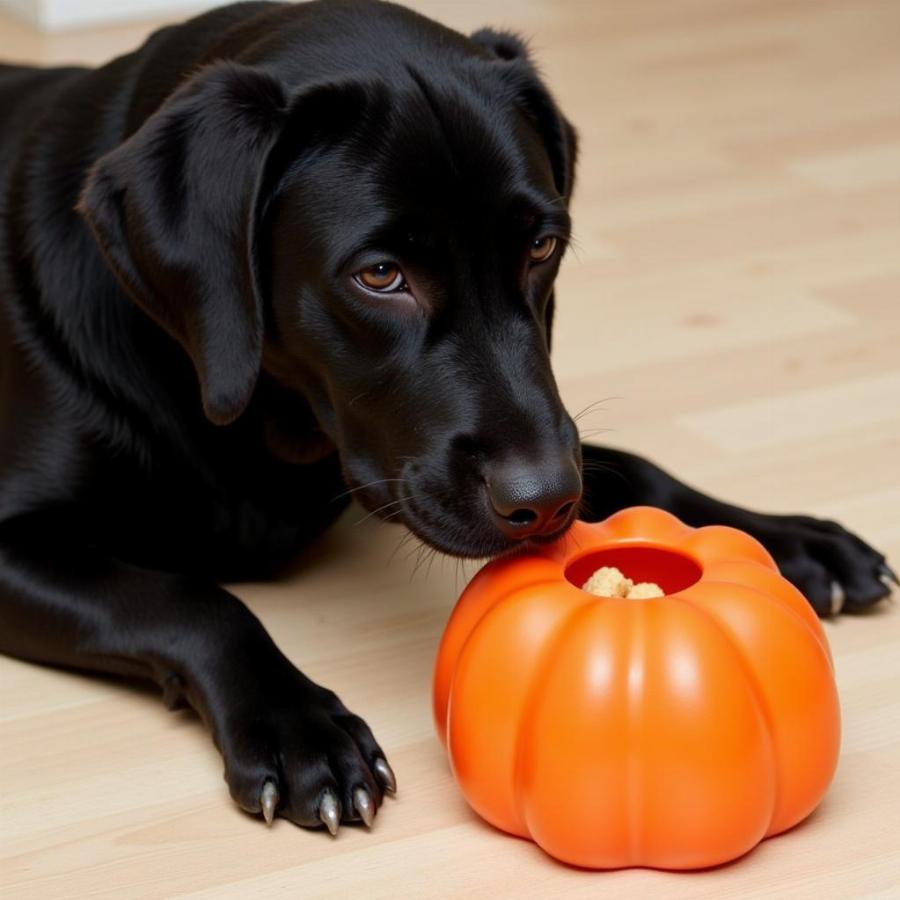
x: 608, y: 581
x: 646, y: 590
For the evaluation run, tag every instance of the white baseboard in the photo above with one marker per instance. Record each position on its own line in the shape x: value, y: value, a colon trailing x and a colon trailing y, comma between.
x: 21, y: 9
x: 59, y: 15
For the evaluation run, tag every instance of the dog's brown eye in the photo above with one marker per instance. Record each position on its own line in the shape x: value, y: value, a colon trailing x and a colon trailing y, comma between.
x: 542, y: 248
x: 383, y: 277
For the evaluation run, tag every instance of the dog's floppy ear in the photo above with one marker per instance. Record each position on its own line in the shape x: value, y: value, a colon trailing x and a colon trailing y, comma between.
x: 504, y: 44
x: 175, y: 209
x: 521, y: 75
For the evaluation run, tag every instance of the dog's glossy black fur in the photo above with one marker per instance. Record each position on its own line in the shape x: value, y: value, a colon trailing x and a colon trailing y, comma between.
x: 191, y: 371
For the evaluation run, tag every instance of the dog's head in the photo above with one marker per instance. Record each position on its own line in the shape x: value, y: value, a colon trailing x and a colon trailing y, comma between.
x: 382, y: 241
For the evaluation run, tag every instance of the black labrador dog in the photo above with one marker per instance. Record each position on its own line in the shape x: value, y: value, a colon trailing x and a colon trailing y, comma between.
x: 279, y: 254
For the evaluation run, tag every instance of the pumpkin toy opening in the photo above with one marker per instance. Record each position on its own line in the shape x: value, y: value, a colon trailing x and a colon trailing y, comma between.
x: 671, y: 570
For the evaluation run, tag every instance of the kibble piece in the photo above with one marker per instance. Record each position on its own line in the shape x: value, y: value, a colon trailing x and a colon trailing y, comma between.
x: 645, y: 590
x: 607, y: 582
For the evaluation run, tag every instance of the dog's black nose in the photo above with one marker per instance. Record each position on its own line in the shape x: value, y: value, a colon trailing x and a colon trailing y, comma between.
x: 528, y: 499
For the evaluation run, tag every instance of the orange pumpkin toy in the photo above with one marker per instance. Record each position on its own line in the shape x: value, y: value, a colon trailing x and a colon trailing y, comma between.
x: 675, y: 732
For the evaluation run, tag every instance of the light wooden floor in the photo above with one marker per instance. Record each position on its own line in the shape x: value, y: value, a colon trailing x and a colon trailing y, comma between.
x: 737, y: 285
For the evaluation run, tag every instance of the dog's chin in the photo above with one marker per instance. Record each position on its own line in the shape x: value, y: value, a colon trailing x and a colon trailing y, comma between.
x: 472, y: 540
x: 466, y: 532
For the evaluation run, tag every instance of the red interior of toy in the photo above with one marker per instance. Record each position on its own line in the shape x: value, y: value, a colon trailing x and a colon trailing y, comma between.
x: 671, y: 570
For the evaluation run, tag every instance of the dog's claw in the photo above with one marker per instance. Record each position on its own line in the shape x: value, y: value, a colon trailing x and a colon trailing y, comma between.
x: 837, y: 598
x: 887, y: 573
x: 268, y: 799
x: 330, y: 812
x: 386, y: 774
x: 363, y: 803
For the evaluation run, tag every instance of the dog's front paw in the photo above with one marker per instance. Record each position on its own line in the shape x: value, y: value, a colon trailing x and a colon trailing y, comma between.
x: 302, y: 755
x: 835, y: 569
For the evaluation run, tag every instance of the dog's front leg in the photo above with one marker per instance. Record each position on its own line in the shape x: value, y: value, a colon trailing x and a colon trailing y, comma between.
x: 834, y: 568
x: 290, y: 746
